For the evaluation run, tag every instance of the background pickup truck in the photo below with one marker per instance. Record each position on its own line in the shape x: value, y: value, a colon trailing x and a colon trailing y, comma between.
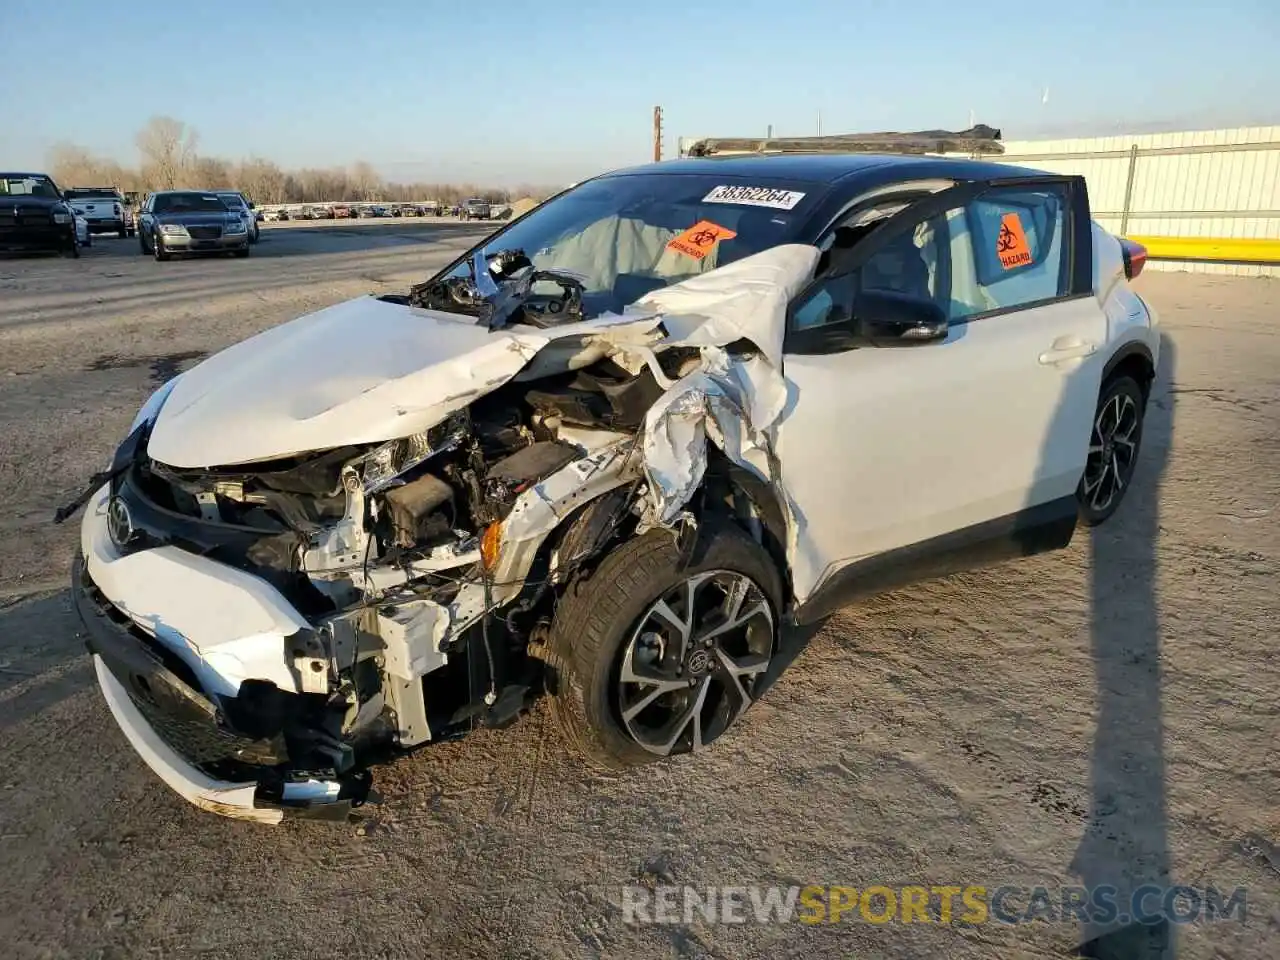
x: 475, y: 209
x: 104, y: 208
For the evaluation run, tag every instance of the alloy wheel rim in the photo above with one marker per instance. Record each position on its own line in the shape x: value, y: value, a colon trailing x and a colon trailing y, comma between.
x: 1113, y: 449
x: 693, y: 662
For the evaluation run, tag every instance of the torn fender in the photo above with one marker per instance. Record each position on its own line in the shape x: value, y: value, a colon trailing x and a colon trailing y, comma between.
x: 733, y: 400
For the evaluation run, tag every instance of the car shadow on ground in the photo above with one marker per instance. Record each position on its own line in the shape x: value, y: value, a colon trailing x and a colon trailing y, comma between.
x: 1125, y: 844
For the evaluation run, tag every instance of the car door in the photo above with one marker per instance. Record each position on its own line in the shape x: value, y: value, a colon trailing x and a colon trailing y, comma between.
x: 146, y: 219
x: 911, y: 461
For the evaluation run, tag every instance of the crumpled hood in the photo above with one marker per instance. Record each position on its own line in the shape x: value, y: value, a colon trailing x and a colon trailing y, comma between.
x: 366, y: 370
x: 362, y: 371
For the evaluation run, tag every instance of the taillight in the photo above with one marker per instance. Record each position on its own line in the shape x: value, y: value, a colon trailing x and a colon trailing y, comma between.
x: 1135, y: 257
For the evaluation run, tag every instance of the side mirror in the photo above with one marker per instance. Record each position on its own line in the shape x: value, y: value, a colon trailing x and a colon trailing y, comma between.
x: 251, y: 205
x: 897, y: 320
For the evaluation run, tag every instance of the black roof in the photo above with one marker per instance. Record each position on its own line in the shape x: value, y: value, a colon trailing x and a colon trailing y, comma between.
x: 831, y: 168
x: 14, y: 175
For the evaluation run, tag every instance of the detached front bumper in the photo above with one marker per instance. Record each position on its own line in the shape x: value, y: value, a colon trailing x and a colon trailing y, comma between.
x: 197, y: 742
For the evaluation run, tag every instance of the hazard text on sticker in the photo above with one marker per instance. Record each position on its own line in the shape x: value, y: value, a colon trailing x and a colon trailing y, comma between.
x: 1011, y: 244
x: 755, y: 197
x: 700, y: 239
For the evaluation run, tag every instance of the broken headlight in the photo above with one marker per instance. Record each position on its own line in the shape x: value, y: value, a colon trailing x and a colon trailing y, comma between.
x: 380, y: 467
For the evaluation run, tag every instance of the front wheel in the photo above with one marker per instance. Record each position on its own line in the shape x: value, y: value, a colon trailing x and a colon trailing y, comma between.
x: 1113, y: 450
x: 157, y: 247
x: 647, y: 660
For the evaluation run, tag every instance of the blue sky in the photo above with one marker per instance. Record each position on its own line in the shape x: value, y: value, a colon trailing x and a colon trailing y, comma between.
x: 551, y: 90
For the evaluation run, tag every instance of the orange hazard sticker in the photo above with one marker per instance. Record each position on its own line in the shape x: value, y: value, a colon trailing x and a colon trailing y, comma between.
x: 1011, y: 244
x: 700, y: 239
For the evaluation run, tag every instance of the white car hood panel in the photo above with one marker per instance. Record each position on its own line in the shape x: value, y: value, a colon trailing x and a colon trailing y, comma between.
x: 366, y: 371
x: 363, y: 371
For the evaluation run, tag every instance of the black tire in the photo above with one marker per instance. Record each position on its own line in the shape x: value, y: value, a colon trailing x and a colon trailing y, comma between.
x: 242, y: 252
x: 158, y: 250
x: 1115, y: 441
x: 124, y: 233
x: 72, y: 249
x: 596, y: 618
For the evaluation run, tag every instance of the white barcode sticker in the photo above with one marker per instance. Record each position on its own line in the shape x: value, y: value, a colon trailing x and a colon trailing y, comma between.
x: 755, y: 197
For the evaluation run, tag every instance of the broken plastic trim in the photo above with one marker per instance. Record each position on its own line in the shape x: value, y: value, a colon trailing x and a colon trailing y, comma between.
x: 512, y: 295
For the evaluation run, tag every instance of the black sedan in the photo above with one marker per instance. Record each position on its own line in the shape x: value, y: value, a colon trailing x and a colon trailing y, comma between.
x: 190, y: 221
x: 34, y: 215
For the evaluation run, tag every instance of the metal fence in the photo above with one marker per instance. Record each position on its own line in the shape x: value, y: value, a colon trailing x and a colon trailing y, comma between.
x: 1206, y: 201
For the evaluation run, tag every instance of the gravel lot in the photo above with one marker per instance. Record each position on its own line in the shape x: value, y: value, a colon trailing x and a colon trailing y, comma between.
x: 1106, y: 714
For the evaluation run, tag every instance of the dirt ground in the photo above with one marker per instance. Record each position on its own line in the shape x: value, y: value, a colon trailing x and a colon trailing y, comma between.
x: 1108, y: 714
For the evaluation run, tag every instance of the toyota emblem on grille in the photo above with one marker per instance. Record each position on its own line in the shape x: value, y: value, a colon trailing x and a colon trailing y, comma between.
x: 119, y: 523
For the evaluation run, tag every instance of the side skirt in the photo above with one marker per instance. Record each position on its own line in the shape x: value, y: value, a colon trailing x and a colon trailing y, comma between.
x: 1047, y: 526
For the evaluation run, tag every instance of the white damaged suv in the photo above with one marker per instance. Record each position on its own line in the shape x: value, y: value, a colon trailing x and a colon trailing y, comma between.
x: 609, y: 456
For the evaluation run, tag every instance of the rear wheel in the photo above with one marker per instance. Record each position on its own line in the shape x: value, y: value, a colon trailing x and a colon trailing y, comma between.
x: 647, y: 660
x: 1113, y: 450
x: 242, y: 252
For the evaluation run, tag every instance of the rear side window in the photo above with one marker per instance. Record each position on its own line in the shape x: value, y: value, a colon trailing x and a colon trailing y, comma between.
x: 1005, y: 249
x: 1008, y: 250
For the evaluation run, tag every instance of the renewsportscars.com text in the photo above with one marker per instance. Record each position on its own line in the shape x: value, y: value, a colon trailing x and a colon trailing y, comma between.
x: 965, y: 904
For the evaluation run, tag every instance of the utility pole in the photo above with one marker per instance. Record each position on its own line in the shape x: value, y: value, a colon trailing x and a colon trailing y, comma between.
x: 657, y: 134
x: 819, y: 121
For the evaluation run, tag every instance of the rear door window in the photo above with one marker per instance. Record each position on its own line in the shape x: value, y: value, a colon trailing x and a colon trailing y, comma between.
x: 1008, y: 249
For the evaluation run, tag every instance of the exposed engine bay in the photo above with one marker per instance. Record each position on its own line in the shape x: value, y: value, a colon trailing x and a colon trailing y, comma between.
x: 379, y: 594
x: 396, y: 551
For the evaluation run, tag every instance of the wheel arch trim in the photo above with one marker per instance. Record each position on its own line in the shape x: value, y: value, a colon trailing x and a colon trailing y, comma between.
x: 1131, y: 349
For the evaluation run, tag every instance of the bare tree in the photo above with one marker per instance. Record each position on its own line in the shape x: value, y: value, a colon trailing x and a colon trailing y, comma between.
x: 71, y: 165
x: 168, y: 149
x: 207, y: 173
x: 260, y: 180
x: 364, y: 181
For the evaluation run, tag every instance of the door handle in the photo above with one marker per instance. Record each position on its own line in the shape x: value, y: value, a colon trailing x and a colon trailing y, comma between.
x: 1067, y: 351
